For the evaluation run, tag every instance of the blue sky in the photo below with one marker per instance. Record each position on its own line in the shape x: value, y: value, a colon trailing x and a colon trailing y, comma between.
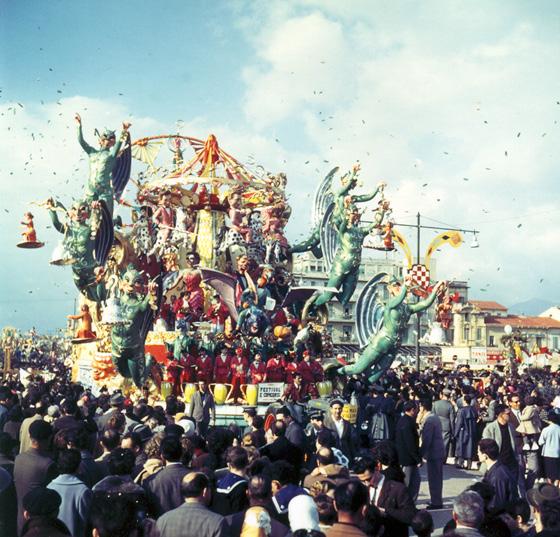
x: 459, y: 97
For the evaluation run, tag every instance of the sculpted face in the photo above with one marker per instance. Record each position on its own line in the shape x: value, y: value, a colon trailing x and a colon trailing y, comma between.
x: 243, y: 263
x: 394, y: 288
x: 107, y: 143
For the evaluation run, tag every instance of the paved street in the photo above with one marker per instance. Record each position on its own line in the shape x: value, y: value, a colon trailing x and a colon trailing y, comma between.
x: 454, y: 482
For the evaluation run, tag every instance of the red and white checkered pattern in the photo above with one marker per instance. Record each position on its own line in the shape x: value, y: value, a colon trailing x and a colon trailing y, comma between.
x: 420, y: 275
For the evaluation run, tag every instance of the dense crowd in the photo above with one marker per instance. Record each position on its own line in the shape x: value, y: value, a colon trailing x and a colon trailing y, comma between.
x: 72, y: 463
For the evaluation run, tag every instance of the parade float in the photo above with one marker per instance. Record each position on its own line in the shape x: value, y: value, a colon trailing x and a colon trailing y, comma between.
x: 192, y: 279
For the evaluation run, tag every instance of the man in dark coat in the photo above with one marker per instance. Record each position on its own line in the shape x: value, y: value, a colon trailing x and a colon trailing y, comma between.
x: 40, y: 512
x: 344, y: 432
x: 444, y: 410
x: 281, y: 448
x: 163, y: 489
x: 433, y: 452
x: 390, y: 496
x: 497, y: 475
x: 408, y: 448
x: 465, y: 433
x: 294, y: 432
x: 34, y: 468
x: 260, y: 494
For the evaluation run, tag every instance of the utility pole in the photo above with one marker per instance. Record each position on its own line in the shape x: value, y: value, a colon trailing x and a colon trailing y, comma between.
x: 419, y: 227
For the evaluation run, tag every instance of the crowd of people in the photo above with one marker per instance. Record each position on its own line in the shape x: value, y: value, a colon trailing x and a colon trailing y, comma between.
x: 72, y: 463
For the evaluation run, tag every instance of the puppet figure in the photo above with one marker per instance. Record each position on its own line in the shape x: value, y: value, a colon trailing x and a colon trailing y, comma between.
x: 84, y: 332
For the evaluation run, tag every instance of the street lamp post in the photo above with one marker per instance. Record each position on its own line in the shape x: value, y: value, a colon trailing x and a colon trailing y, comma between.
x: 419, y: 227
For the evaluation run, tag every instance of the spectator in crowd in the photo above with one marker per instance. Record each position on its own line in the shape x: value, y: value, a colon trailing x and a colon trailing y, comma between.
x: 501, y: 431
x: 40, y: 514
x: 549, y: 439
x: 34, y: 468
x: 445, y: 411
x: 465, y: 434
x: 164, y: 489
x: 497, y: 475
x: 544, y: 500
x: 260, y: 495
x: 202, y: 408
x: 408, y: 448
x: 433, y: 452
x: 350, y: 500
x: 76, y: 496
x: 344, y: 432
x: 231, y: 488
x: 193, y: 517
x: 8, y: 504
x: 294, y: 432
x: 468, y: 514
x: 422, y: 524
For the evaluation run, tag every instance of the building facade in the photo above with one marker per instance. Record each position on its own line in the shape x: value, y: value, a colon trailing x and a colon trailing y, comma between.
x: 479, y: 326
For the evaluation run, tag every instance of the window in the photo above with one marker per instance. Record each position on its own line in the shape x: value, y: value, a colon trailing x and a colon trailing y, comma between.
x: 347, y: 314
x: 555, y: 342
x: 466, y: 332
x: 539, y: 341
x: 478, y: 334
x: 491, y: 341
x: 346, y: 332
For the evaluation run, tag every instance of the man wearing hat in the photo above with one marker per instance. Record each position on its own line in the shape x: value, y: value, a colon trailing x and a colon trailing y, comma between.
x: 315, y: 425
x: 40, y: 512
x: 116, y: 403
x: 34, y: 468
x: 539, y: 498
x: 444, y: 410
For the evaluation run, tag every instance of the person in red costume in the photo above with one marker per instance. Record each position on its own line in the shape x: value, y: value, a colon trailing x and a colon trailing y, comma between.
x: 189, y: 363
x: 257, y: 370
x: 204, y: 368
x: 217, y: 313
x: 239, y: 366
x: 177, y: 308
x: 318, y: 371
x: 194, y: 297
x: 275, y: 369
x: 295, y: 392
x: 222, y: 368
x: 304, y: 368
x: 174, y: 370
x: 291, y: 368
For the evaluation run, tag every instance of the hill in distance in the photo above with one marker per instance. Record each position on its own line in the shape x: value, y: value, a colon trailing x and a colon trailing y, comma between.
x: 532, y: 307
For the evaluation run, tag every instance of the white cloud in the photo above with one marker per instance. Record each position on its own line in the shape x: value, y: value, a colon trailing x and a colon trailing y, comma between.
x: 396, y: 93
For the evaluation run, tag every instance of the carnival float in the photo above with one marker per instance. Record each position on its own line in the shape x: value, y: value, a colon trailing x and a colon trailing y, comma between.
x: 196, y: 282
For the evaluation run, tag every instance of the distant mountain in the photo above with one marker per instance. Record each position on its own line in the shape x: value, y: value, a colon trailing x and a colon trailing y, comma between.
x: 534, y: 306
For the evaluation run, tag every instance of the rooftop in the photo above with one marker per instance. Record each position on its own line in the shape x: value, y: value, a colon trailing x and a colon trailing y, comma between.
x: 518, y: 321
x: 487, y: 305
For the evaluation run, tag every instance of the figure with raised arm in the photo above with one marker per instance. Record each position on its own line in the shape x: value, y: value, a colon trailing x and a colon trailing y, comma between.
x: 344, y: 271
x: 101, y: 163
x: 378, y: 355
